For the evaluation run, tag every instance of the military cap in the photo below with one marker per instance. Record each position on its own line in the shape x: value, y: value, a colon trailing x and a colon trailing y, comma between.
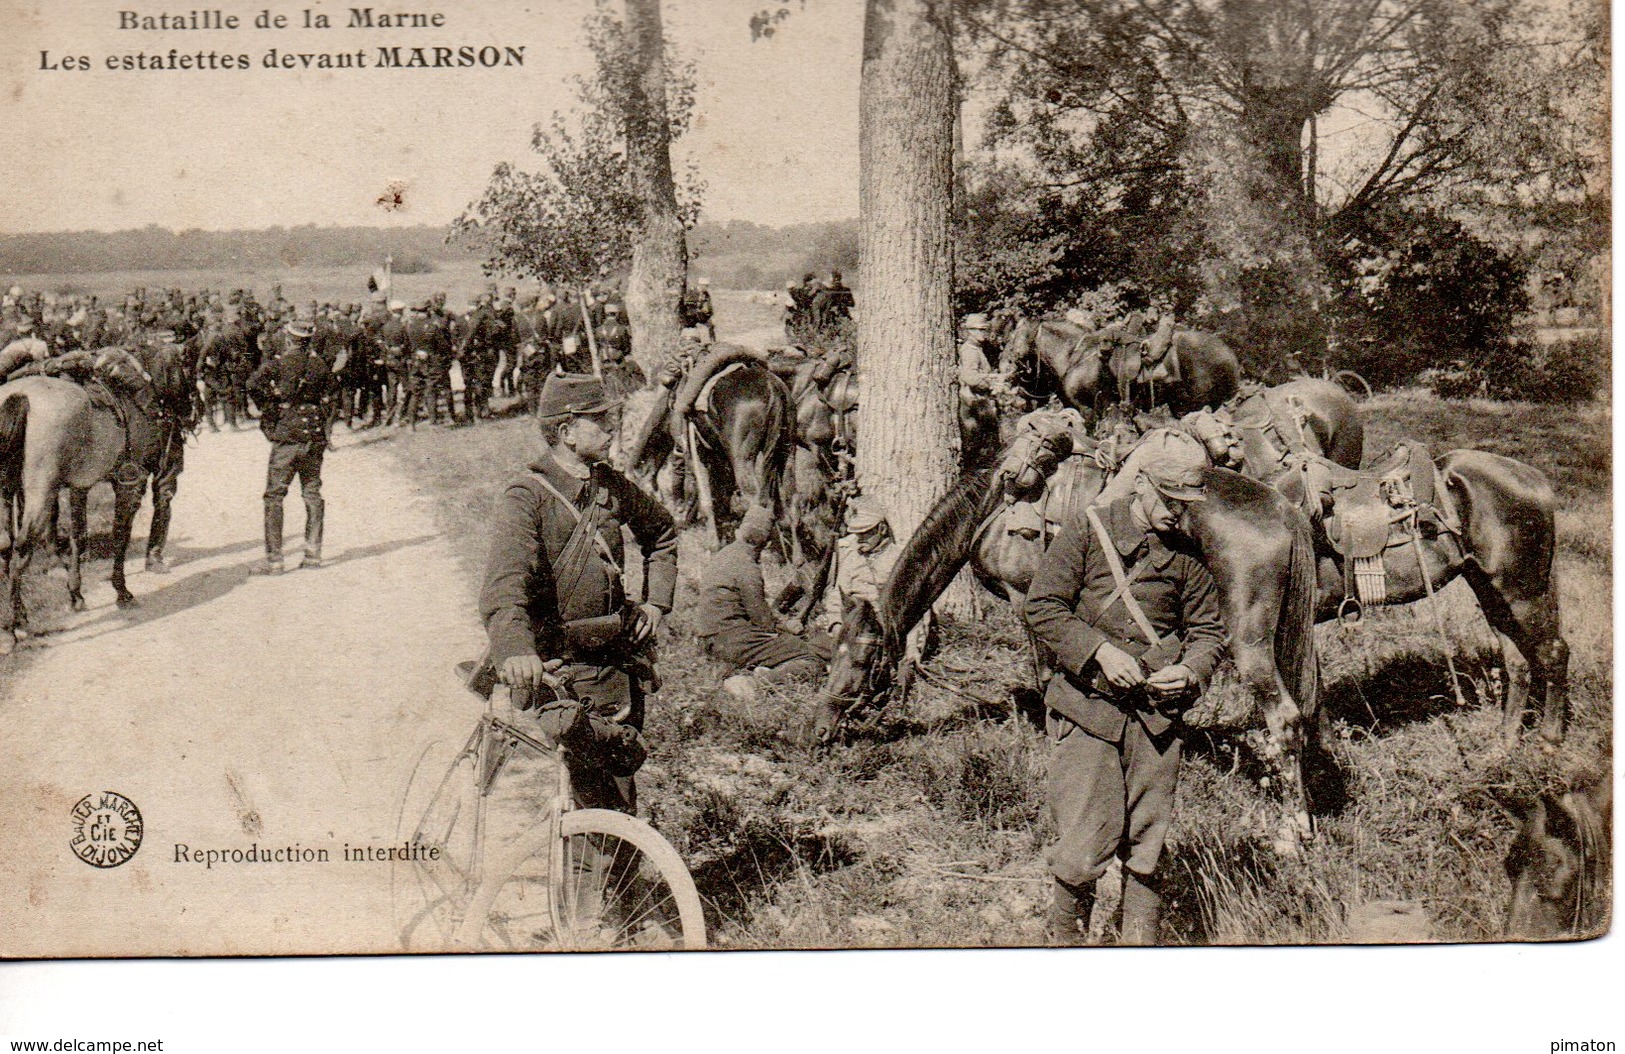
x: 757, y: 524
x: 977, y: 321
x: 573, y: 393
x: 397, y: 305
x: 864, y: 514
x: 1178, y: 470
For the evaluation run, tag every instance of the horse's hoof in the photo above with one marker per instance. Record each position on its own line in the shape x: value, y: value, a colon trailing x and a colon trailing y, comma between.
x: 76, y: 603
x: 126, y: 600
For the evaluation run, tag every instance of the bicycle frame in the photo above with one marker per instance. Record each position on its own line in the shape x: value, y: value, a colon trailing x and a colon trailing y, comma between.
x: 492, y: 743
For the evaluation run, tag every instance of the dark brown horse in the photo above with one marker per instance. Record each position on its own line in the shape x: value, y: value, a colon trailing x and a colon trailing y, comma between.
x: 1561, y: 864
x: 1055, y: 357
x: 731, y: 417
x: 55, y: 435
x: 1256, y: 543
x: 1483, y: 517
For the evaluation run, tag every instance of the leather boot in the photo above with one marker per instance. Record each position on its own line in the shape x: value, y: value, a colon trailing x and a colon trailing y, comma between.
x: 1068, y: 923
x: 315, y: 513
x: 272, y: 564
x: 1142, y: 910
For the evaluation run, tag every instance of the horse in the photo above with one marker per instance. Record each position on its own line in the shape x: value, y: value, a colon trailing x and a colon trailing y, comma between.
x: 1470, y: 514
x: 1559, y: 863
x: 1054, y: 356
x: 55, y: 433
x: 731, y: 417
x: 1257, y: 544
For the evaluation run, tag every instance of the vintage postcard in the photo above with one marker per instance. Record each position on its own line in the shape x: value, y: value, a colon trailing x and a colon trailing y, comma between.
x: 664, y: 474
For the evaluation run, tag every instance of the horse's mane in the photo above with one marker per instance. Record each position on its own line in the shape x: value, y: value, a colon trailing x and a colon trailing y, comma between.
x: 935, y: 553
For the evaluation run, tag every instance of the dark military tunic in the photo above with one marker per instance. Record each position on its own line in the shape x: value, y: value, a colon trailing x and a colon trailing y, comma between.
x: 1116, y: 758
x: 734, y: 621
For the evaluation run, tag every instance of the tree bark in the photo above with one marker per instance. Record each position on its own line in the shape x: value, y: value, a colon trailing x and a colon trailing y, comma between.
x: 908, y: 433
x: 659, y: 272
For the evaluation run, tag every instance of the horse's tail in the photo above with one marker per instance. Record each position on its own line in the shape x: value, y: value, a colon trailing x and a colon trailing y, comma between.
x: 1295, y: 631
x: 13, y: 429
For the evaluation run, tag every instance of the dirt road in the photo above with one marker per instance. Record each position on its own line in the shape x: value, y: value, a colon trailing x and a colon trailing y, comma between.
x: 236, y: 712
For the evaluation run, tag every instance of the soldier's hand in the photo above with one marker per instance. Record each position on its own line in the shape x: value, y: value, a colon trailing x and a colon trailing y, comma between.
x: 1171, y: 682
x: 648, y: 623
x: 1121, y: 669
x: 527, y: 671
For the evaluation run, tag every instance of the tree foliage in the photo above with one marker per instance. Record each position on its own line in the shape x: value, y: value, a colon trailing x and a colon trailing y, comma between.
x: 1237, y: 159
x: 576, y: 217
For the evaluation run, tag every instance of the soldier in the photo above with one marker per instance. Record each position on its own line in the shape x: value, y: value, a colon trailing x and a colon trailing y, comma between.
x: 295, y: 394
x: 397, y: 363
x: 481, y: 344
x: 428, y: 349
x: 1132, y: 618
x: 554, y: 592
x: 978, y: 383
x: 863, y: 560
x: 734, y: 622
x: 23, y: 349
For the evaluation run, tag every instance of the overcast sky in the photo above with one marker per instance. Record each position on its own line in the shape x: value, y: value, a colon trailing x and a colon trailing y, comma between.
x: 775, y: 131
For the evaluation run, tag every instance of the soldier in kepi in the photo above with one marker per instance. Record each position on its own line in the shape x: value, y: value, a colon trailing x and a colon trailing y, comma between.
x: 295, y: 393
x: 1132, y: 618
x: 554, y: 598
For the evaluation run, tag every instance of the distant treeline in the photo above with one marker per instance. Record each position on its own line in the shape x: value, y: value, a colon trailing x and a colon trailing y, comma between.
x: 158, y: 248
x: 742, y: 255
x: 735, y: 255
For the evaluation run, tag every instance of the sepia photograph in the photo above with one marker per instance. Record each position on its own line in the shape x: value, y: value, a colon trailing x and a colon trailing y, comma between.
x: 661, y: 475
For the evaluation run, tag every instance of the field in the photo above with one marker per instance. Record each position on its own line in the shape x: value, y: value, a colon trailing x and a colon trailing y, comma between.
x: 460, y: 280
x: 930, y: 831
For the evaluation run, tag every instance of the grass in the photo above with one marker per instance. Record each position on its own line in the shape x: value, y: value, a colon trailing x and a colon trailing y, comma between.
x: 929, y: 830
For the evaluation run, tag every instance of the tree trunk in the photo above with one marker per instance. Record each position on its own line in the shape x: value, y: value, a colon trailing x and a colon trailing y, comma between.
x: 908, y: 446
x: 659, y: 273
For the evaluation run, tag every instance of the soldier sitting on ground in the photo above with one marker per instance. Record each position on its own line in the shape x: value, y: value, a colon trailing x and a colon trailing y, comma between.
x: 736, y: 624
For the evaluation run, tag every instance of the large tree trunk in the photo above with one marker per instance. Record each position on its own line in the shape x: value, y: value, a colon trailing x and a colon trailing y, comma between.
x: 908, y: 447
x: 659, y: 271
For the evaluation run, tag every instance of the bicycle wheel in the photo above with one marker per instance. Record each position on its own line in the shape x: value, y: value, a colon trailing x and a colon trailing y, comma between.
x: 614, y: 884
x: 437, y: 810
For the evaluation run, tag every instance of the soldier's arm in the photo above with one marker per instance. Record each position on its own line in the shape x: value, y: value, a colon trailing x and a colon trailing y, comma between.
x: 656, y: 534
x: 753, y: 594
x: 512, y: 564
x: 1052, y: 600
x: 1204, y: 636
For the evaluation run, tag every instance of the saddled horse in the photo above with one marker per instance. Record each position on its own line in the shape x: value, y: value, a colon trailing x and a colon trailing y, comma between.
x: 1256, y: 543
x: 1561, y: 863
x: 1088, y: 368
x: 1411, y: 524
x: 731, y: 417
x: 56, y: 432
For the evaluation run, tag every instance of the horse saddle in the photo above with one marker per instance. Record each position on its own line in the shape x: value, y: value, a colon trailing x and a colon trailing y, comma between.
x: 1365, y: 510
x: 1153, y: 360
x: 702, y: 402
x: 841, y: 393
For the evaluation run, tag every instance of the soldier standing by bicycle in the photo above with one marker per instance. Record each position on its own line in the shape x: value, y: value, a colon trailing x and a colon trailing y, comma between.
x: 554, y: 595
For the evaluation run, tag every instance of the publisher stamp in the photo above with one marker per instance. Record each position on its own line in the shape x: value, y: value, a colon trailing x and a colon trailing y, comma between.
x: 106, y: 829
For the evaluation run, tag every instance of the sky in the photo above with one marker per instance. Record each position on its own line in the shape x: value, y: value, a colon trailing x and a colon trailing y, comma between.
x: 774, y: 132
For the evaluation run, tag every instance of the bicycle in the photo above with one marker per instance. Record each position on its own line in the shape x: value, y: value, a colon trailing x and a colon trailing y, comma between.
x: 580, y: 879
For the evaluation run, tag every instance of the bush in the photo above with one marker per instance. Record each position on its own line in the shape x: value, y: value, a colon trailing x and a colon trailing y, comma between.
x: 1561, y: 372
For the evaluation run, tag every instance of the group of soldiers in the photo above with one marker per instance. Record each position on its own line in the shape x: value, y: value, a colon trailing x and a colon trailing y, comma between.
x: 392, y: 359
x: 813, y: 310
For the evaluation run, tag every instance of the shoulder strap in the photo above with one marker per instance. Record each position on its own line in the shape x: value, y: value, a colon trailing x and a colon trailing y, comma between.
x: 1109, y: 550
x: 583, y: 524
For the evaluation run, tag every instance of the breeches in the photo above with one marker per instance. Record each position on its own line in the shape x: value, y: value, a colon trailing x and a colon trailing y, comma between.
x: 1109, y: 799
x: 746, y: 647
x: 294, y: 459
